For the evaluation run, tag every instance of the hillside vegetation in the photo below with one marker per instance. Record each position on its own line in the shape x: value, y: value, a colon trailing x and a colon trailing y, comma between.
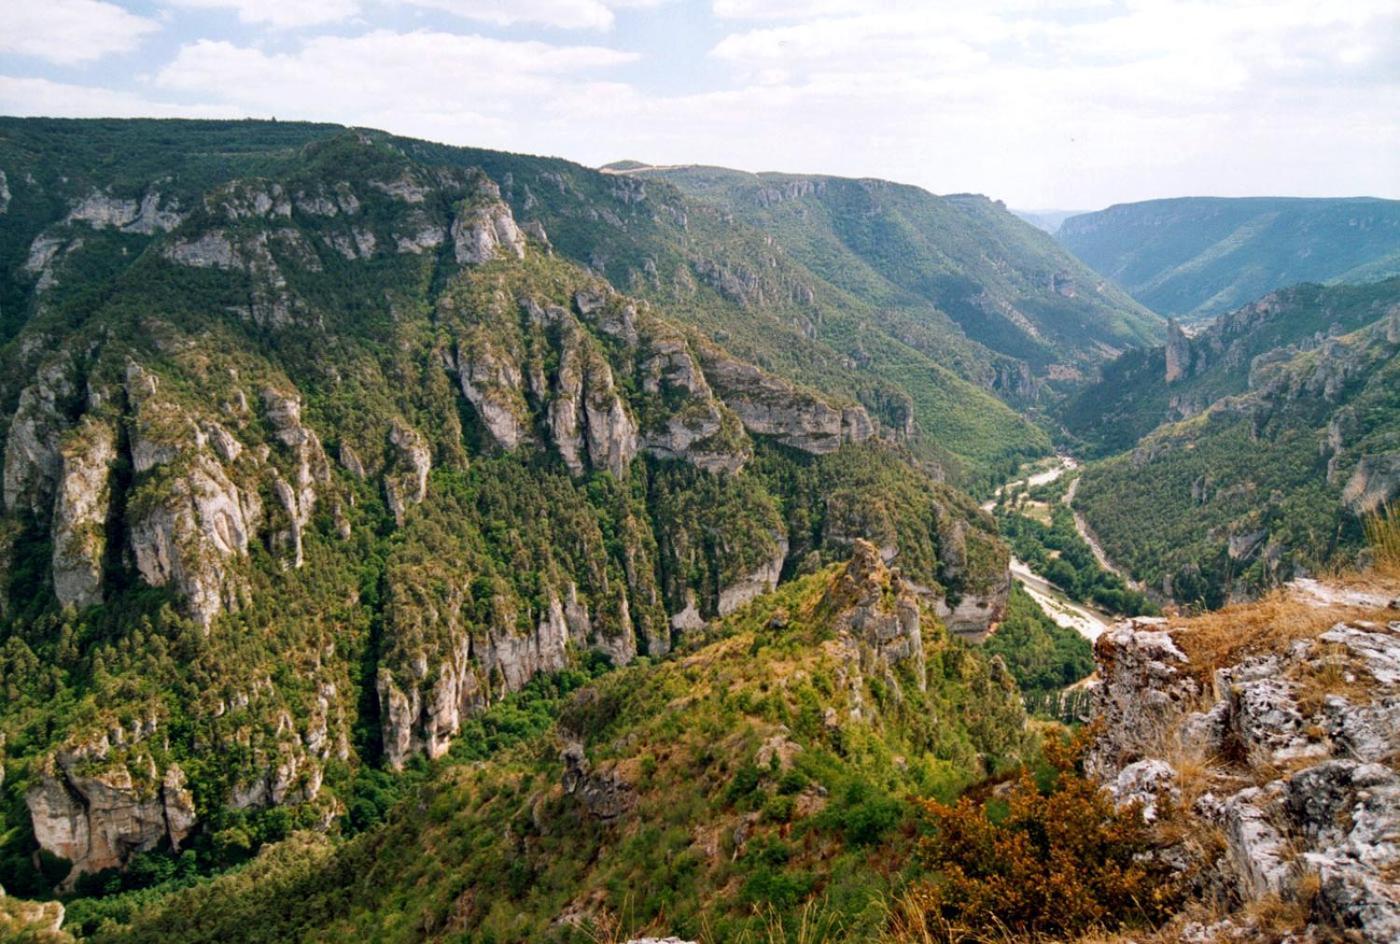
x: 1194, y: 257
x: 314, y: 453
x: 1258, y: 485
x: 956, y: 276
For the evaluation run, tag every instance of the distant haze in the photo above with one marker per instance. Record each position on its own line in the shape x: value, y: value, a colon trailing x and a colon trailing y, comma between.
x: 1080, y: 103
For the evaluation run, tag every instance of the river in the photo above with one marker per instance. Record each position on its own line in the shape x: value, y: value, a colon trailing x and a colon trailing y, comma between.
x: 1088, y: 621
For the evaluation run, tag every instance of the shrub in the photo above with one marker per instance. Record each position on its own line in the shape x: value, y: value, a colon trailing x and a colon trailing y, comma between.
x: 1046, y: 862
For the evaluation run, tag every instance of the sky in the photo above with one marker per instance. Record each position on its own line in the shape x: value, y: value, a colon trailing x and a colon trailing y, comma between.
x: 1046, y: 104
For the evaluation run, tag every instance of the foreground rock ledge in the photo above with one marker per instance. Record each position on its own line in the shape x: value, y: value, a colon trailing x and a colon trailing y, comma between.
x: 1287, y: 754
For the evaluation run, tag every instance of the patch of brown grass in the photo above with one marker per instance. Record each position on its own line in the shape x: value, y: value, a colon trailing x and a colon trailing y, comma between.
x: 1271, y: 624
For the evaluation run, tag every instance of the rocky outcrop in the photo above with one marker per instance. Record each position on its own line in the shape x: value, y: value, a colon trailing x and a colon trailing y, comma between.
x: 33, y: 457
x: 758, y: 581
x: 1294, y: 744
x: 188, y: 521
x: 771, y: 407
x: 102, y: 211
x: 34, y: 922
x: 99, y: 802
x: 425, y: 711
x: 406, y: 481
x: 1178, y: 352
x: 211, y: 250
x: 586, y: 414
x: 79, y: 531
x: 309, y: 465
x: 879, y: 609
x: 604, y: 792
x: 1374, y: 482
x: 492, y: 382
x: 485, y: 227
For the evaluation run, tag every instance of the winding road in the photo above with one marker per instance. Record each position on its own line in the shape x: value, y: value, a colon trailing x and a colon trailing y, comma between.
x: 1085, y: 620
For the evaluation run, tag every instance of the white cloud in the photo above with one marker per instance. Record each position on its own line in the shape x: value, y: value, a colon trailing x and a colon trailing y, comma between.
x: 280, y: 13
x: 67, y: 32
x: 1028, y: 99
x: 32, y: 97
x: 451, y: 87
x: 1041, y: 103
x: 563, y: 14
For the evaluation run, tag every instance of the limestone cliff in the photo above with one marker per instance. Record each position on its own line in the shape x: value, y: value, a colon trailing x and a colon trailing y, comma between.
x: 97, y: 802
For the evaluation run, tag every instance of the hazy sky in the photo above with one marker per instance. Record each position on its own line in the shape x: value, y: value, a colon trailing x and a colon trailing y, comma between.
x: 1073, y: 104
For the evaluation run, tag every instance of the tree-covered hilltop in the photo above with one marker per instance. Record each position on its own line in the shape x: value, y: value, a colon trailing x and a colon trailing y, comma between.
x: 314, y: 452
x: 959, y: 277
x: 1194, y: 257
x: 1272, y: 481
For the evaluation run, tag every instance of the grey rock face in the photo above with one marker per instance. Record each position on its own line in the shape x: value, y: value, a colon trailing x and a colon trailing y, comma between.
x: 761, y: 580
x: 604, y: 793
x: 491, y: 381
x: 1374, y: 482
x: 33, y: 460
x: 190, y: 535
x: 1145, y: 691
x: 879, y: 609
x: 427, y: 713
x: 771, y: 407
x: 212, y: 250
x: 485, y: 226
x: 310, y: 468
x: 43, y: 252
x: 4, y: 194
x: 188, y: 526
x: 1146, y: 783
x: 1336, y: 816
x: 403, y: 187
x: 1178, y: 352
x: 91, y: 808
x: 102, y: 211
x: 406, y: 482
x: 80, y: 514
x: 480, y: 232
x: 419, y: 233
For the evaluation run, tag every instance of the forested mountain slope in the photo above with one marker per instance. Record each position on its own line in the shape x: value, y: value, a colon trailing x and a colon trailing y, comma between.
x: 1194, y: 257
x: 1279, y: 454
x: 1150, y: 386
x: 713, y: 794
x: 728, y: 280
x: 313, y: 450
x: 957, y: 274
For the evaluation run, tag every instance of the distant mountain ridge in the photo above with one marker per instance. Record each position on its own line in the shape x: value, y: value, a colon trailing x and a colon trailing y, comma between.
x: 957, y: 276
x: 1048, y: 220
x: 1195, y: 257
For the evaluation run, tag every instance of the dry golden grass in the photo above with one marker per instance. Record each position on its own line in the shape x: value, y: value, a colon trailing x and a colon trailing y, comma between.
x: 1270, y: 624
x: 1383, y: 535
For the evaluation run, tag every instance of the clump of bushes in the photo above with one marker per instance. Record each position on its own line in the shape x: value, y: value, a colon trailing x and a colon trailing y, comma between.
x: 1054, y: 859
